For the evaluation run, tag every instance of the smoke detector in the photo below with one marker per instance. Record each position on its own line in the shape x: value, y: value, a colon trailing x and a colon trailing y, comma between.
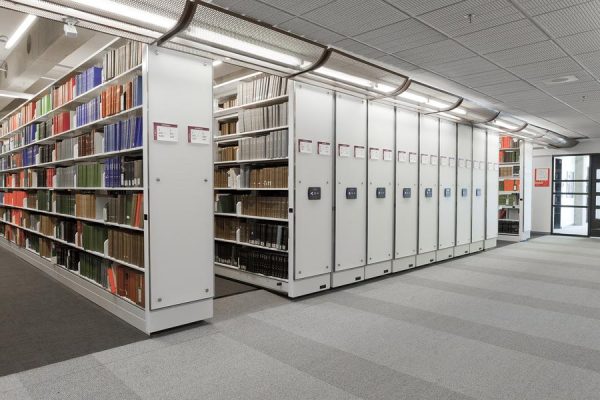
x: 560, y: 80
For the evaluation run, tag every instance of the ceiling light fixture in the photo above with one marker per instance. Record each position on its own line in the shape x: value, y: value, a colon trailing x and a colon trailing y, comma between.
x: 21, y: 30
x: 15, y: 95
x: 437, y: 104
x: 449, y: 116
x: 342, y: 76
x: 413, y: 97
x: 112, y: 7
x: 216, y: 63
x: 459, y: 110
x: 505, y: 125
x: 241, y: 78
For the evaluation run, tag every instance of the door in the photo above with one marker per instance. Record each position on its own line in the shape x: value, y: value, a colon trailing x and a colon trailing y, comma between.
x: 570, y: 195
x: 594, y: 211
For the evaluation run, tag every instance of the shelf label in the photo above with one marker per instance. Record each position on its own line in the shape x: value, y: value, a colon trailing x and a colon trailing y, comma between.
x: 469, y: 164
x: 490, y: 166
x: 413, y: 158
x: 388, y: 155
x: 374, y: 153
x: 475, y: 164
x: 305, y: 146
x: 344, y: 150
x: 359, y: 152
x: 482, y: 165
x: 198, y: 135
x: 495, y: 166
x: 461, y: 162
x: 324, y: 148
x: 402, y: 156
x: 165, y: 132
x: 452, y: 161
x: 542, y: 177
x: 434, y: 160
x: 443, y: 161
x: 424, y: 159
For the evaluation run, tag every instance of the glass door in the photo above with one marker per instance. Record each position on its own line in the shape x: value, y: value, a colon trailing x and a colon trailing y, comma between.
x: 570, y: 199
x: 595, y: 197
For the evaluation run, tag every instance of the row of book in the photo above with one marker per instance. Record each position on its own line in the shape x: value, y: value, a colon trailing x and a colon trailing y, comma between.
x: 227, y: 103
x: 507, y: 142
x: 252, y: 260
x: 508, y: 213
x: 121, y: 60
x: 251, y: 177
x: 32, y: 133
x: 511, y: 199
x: 261, y: 88
x: 29, y: 178
x: 509, y: 185
x: 262, y: 118
x: 508, y: 227
x: 272, y: 145
x: 263, y: 205
x: 509, y: 156
x: 227, y: 128
x: 507, y: 171
x: 269, y: 235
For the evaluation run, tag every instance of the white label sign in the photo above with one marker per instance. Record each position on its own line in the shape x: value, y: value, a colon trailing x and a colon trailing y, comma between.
x: 402, y: 157
x: 443, y: 161
x: 198, y: 135
x: 344, y: 150
x: 424, y: 159
x: 461, y: 162
x: 359, y: 152
x: 490, y: 166
x: 324, y: 148
x: 305, y: 146
x: 388, y: 155
x: 434, y: 160
x: 413, y: 158
x: 374, y: 153
x: 166, y: 132
x: 482, y: 165
x: 495, y: 167
x: 452, y: 161
x: 469, y: 164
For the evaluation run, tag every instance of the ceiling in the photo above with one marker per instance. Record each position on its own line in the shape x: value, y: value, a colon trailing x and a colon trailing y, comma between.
x: 504, y: 56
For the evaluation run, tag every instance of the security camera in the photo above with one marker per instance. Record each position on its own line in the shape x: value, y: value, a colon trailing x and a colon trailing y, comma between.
x: 69, y: 28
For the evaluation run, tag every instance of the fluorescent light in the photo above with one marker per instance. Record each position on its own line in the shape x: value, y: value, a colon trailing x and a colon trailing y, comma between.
x: 216, y: 63
x: 241, y: 78
x: 414, y: 97
x: 505, y: 124
x: 381, y: 87
x: 20, y: 31
x: 437, y: 104
x: 344, y: 76
x: 459, y: 110
x: 15, y: 95
x: 113, y: 7
x: 246, y: 47
x: 449, y: 116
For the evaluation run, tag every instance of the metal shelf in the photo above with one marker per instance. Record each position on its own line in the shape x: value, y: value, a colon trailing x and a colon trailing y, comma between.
x: 257, y: 160
x: 234, y: 137
x: 250, y: 217
x: 260, y: 103
x: 250, y: 245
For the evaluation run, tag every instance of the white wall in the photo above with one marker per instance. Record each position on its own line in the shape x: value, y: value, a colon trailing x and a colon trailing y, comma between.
x: 542, y: 196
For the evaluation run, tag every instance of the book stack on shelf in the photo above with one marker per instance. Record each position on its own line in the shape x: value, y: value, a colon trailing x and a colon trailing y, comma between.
x: 71, y: 169
x: 509, y: 186
x: 251, y: 156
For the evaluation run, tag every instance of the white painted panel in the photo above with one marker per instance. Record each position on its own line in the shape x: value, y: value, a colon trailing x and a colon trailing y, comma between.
x: 351, y: 177
x: 447, y: 192
x: 478, y: 192
x: 428, y: 184
x: 179, y: 180
x: 527, y: 185
x: 407, y: 179
x: 380, y: 214
x: 313, y: 219
x: 493, y: 148
x: 463, y: 184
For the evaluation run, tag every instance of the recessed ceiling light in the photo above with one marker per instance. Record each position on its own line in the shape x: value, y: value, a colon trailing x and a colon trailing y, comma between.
x: 561, y: 79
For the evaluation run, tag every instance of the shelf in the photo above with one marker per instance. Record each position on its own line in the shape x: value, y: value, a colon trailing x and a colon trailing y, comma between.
x: 250, y: 245
x: 72, y: 104
x: 508, y: 220
x: 75, y: 160
x: 258, y: 160
x: 108, y: 189
x: 508, y: 207
x: 503, y: 178
x: 101, y: 255
x: 96, y: 221
x: 508, y: 192
x: 509, y: 163
x: 511, y: 149
x: 217, y: 214
x: 261, y: 103
x: 218, y: 264
x: 234, y: 137
x: 252, y: 189
x: 80, y: 129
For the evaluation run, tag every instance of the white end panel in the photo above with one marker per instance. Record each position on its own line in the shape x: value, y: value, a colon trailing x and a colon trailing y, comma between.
x: 491, y: 195
x: 313, y: 217
x: 478, y: 192
x: 351, y: 182
x: 463, y: 184
x: 527, y: 185
x: 428, y: 184
x: 447, y: 192
x: 380, y: 154
x: 178, y: 176
x: 407, y: 180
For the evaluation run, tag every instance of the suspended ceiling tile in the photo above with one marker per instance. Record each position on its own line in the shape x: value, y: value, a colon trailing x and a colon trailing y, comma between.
x: 466, y: 66
x: 591, y: 61
x: 403, y: 35
x: 358, y: 48
x: 486, y: 13
x: 353, y: 17
x: 505, y: 88
x: 297, y: 7
x: 535, y: 7
x: 572, y: 20
x: 528, y: 54
x: 396, y: 62
x: 310, y: 31
x: 494, y: 76
x: 563, y: 65
x: 572, y: 88
x: 260, y: 11
x: 503, y: 37
x: 542, y: 81
x: 417, y: 7
x: 435, y: 53
x: 579, y: 43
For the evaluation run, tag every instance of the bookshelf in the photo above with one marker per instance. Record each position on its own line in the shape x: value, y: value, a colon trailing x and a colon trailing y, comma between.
x: 78, y: 170
x: 512, y: 220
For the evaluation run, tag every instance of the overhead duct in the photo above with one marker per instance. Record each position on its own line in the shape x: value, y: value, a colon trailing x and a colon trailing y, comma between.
x: 205, y: 29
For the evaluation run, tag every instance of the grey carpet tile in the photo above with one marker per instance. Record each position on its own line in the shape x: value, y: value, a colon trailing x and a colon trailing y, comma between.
x: 227, y: 287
